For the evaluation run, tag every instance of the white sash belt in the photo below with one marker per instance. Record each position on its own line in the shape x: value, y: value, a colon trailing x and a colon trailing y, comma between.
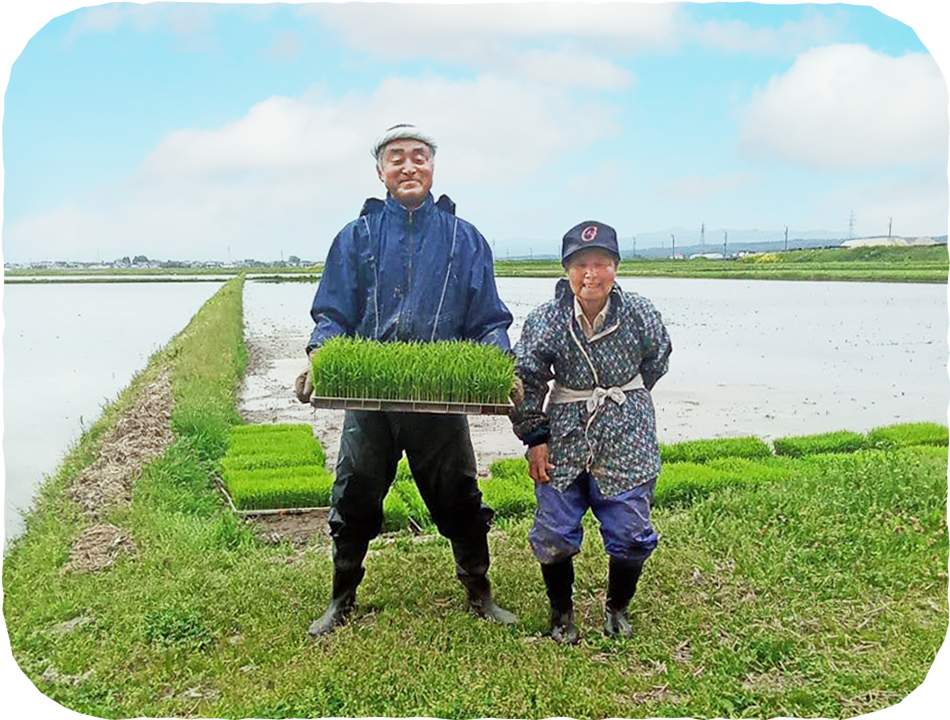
x: 595, y: 399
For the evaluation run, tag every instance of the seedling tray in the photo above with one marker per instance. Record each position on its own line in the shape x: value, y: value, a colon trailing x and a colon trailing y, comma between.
x: 415, y: 406
x: 265, y: 511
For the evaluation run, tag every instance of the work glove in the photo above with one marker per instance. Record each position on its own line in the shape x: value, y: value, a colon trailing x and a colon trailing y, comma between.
x: 517, y: 392
x: 303, y: 385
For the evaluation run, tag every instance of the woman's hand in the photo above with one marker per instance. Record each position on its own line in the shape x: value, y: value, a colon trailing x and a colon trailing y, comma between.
x: 538, y: 465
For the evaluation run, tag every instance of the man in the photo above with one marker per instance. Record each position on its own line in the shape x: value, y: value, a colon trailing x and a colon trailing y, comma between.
x: 407, y: 269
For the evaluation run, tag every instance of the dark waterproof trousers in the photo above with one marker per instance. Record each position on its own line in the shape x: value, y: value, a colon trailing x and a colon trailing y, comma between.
x: 439, y: 450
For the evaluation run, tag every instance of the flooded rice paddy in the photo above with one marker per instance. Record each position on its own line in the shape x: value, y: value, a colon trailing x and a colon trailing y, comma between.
x: 68, y: 350
x: 763, y: 358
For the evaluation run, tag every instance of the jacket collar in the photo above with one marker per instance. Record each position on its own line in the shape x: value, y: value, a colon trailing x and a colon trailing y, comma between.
x: 394, y: 207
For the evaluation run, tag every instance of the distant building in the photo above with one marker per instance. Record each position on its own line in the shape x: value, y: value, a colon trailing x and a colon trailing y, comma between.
x: 889, y: 242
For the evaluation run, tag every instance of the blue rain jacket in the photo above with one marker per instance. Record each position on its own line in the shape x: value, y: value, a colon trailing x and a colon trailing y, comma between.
x: 395, y: 274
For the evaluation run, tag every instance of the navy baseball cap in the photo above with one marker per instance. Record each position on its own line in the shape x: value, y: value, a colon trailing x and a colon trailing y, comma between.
x: 589, y: 234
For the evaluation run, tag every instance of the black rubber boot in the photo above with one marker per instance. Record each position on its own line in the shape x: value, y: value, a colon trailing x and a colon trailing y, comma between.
x: 621, y: 586
x: 480, y: 602
x: 471, y: 567
x: 559, y: 582
x: 342, y: 601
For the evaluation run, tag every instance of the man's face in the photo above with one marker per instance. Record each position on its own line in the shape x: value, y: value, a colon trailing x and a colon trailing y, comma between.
x: 591, y: 274
x: 406, y: 170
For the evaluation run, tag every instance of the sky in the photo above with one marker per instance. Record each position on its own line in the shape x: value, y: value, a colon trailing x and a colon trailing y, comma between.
x: 187, y: 131
x: 200, y: 131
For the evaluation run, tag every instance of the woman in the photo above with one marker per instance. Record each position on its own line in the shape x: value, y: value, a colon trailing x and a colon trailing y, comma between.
x: 594, y: 446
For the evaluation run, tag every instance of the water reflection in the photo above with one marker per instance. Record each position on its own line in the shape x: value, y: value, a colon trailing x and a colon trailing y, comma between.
x: 68, y: 350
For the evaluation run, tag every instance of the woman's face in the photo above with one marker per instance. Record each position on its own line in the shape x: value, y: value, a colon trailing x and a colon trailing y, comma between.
x: 591, y: 274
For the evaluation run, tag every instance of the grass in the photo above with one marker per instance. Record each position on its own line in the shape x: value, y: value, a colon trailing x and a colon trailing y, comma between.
x: 802, y: 587
x: 453, y: 371
x: 822, y: 597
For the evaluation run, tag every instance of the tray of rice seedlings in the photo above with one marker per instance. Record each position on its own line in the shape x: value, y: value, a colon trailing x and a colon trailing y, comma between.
x: 275, y: 468
x: 440, y: 377
x: 282, y: 489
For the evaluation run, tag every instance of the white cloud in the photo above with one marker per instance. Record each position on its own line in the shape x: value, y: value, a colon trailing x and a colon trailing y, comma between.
x: 571, y: 69
x: 567, y: 44
x: 848, y: 108
x: 183, y: 19
x: 294, y: 170
x: 694, y: 188
x: 791, y: 38
x: 437, y: 29
x: 285, y: 46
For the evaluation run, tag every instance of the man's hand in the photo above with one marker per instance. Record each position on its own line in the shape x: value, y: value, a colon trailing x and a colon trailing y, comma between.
x: 517, y: 392
x: 538, y: 465
x: 303, y: 385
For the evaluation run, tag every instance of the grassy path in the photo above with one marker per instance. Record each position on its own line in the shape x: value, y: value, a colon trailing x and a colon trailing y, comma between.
x: 824, y: 594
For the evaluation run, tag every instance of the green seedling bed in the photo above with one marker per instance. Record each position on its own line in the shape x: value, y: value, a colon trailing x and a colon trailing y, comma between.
x: 431, y: 377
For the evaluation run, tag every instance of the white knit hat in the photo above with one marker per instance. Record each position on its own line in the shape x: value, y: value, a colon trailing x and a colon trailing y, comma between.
x: 403, y: 131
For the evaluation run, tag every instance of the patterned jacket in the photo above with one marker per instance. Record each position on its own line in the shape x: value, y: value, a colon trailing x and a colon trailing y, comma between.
x: 621, y: 441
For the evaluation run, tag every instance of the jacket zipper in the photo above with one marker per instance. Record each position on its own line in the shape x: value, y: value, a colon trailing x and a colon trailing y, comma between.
x: 405, y: 300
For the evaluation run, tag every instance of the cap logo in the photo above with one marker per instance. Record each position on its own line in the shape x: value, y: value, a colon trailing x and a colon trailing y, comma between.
x: 589, y: 233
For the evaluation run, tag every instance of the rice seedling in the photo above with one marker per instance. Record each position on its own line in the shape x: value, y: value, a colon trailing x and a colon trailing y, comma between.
x: 700, y: 451
x: 261, y: 461
x: 287, y: 443
x: 842, y: 441
x: 513, y: 469
x: 395, y: 513
x: 452, y: 371
x: 276, y: 467
x: 906, y: 434
x: 280, y: 488
x: 267, y: 429
x: 683, y: 483
x: 507, y: 498
x: 415, y: 505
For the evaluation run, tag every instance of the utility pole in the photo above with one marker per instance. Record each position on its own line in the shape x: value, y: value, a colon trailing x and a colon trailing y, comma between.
x: 634, y: 245
x: 889, y: 226
x: 725, y: 242
x: 851, y: 226
x: 673, y: 252
x: 702, y: 238
x: 786, y: 238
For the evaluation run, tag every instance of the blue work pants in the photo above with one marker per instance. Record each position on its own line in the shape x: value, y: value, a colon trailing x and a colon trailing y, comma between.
x: 624, y: 520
